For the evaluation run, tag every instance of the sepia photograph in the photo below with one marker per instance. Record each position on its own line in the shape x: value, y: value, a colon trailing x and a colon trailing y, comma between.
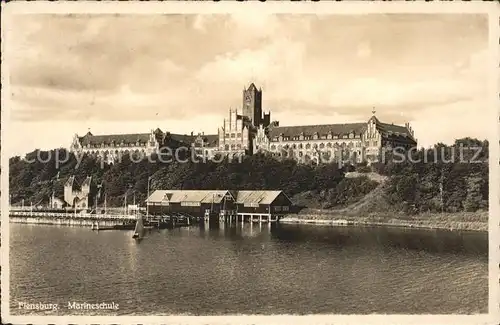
x: 250, y: 159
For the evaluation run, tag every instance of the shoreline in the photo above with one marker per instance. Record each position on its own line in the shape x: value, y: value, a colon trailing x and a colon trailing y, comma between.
x: 477, y: 221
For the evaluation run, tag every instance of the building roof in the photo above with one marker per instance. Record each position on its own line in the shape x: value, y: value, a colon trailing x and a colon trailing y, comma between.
x: 259, y: 197
x: 87, y: 181
x: 159, y: 196
x: 70, y: 181
x: 392, y: 128
x: 90, y: 139
x: 396, y: 132
x: 252, y: 86
x: 180, y: 137
x: 178, y: 196
x: 212, y: 140
x: 322, y: 130
x: 215, y: 196
x: 133, y: 138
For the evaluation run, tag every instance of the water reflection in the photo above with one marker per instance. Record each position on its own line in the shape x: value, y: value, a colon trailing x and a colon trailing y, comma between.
x: 439, y: 241
x: 253, y: 269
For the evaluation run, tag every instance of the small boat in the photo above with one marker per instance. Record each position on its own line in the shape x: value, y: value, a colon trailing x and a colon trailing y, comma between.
x: 139, y: 228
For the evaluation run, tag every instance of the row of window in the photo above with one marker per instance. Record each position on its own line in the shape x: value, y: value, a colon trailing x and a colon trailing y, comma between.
x: 116, y: 152
x: 232, y: 146
x: 105, y: 145
x: 190, y: 204
x: 314, y: 145
x: 162, y: 203
x: 233, y: 135
x: 316, y: 137
x: 303, y: 154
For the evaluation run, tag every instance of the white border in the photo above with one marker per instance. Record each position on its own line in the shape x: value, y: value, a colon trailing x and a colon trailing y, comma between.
x: 344, y: 7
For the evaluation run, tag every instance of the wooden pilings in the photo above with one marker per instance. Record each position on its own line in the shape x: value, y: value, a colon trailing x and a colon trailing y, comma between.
x: 250, y: 217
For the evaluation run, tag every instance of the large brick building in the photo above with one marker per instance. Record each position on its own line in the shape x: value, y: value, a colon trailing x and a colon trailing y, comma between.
x: 111, y: 146
x: 237, y: 132
x: 252, y: 131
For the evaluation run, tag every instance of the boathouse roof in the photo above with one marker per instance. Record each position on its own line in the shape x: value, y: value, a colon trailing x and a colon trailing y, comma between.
x: 213, y: 196
x: 259, y: 197
x: 178, y: 196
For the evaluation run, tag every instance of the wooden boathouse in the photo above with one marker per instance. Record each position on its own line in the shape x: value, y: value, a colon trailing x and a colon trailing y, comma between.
x: 251, y: 206
x: 191, y: 202
x: 262, y: 205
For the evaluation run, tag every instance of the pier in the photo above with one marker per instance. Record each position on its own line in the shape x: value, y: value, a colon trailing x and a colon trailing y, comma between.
x: 120, y: 221
x: 68, y: 215
x: 97, y: 221
x: 68, y: 218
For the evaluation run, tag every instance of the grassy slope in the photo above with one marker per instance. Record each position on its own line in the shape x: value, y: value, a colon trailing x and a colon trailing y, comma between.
x: 373, y: 209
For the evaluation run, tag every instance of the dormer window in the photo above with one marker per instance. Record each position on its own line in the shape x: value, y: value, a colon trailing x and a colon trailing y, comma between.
x: 315, y: 136
x: 351, y: 135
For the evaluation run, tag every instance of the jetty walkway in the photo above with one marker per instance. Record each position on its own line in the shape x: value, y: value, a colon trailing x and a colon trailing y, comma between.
x: 70, y: 215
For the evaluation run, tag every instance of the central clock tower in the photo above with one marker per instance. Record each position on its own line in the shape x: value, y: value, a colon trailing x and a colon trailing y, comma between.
x: 252, y: 104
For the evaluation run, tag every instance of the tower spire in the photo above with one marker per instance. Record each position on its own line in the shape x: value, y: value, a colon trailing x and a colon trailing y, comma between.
x: 373, y: 111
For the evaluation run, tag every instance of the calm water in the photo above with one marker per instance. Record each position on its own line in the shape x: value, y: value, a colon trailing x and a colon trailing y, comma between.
x: 251, y: 270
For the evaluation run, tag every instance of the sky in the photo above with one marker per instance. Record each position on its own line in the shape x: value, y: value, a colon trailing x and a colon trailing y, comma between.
x: 181, y: 73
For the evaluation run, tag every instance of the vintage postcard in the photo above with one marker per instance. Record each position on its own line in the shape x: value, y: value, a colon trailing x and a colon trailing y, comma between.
x: 270, y: 163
